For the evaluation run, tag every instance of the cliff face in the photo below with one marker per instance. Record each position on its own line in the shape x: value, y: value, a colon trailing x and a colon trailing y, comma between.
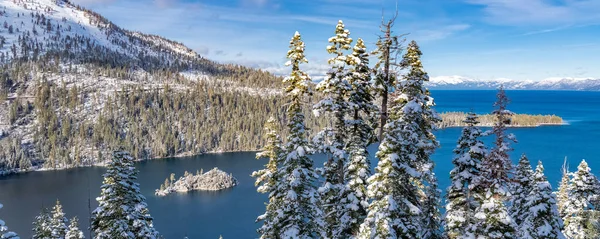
x: 212, y: 180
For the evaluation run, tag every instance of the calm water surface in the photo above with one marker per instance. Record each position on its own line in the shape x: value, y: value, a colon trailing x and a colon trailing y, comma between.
x: 232, y: 212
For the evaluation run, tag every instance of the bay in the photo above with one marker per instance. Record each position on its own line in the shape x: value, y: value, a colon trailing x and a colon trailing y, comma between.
x: 232, y: 212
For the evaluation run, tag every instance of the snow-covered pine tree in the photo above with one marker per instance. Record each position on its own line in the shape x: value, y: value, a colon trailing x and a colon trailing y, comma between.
x: 498, y: 157
x: 542, y: 219
x: 493, y: 219
x: 267, y: 182
x: 122, y: 211
x: 418, y: 102
x: 431, y: 210
x: 581, y: 220
x: 562, y: 196
x: 58, y: 223
x: 4, y: 232
x: 464, y: 177
x: 521, y: 187
x: 74, y: 232
x: 396, y: 188
x: 360, y: 136
x: 301, y: 210
x: 42, y: 226
x: 331, y: 140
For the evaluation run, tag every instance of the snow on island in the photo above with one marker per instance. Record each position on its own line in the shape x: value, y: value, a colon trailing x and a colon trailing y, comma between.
x: 212, y: 180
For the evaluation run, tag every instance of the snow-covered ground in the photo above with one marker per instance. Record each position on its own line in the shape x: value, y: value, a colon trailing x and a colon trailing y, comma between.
x: 60, y: 22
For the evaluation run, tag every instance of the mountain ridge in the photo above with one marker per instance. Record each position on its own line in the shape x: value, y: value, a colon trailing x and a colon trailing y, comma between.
x: 74, y: 86
x: 554, y: 83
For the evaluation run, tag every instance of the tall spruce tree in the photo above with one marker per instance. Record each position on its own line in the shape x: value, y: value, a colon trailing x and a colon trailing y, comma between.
x: 521, y: 187
x: 42, y: 226
x: 74, y: 232
x: 494, y: 220
x: 431, y: 210
x: 58, y: 223
x: 562, y: 196
x: 464, y: 178
x: 360, y: 136
x: 418, y: 103
x: 4, y: 232
x: 301, y: 210
x: 498, y: 157
x: 541, y: 220
x: 267, y: 182
x: 122, y: 211
x: 331, y: 140
x: 581, y: 220
x: 397, y: 187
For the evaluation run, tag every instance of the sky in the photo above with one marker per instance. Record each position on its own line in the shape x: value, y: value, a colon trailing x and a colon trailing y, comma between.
x: 479, y: 39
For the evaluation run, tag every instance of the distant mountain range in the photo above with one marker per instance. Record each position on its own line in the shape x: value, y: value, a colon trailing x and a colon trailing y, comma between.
x: 463, y: 83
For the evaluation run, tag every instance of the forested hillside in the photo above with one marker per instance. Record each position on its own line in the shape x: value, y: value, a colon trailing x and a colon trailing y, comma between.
x: 74, y: 86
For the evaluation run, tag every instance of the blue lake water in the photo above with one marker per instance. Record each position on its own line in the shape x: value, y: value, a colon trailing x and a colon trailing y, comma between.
x: 231, y: 213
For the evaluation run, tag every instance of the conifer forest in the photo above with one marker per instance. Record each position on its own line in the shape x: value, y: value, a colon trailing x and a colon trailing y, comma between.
x: 69, y: 100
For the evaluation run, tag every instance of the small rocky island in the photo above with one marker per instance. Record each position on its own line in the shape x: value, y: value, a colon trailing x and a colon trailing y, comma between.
x: 455, y: 119
x: 212, y: 180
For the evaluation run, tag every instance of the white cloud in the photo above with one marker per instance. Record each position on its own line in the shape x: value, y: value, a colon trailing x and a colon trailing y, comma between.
x: 547, y: 30
x: 539, y: 12
x: 439, y: 33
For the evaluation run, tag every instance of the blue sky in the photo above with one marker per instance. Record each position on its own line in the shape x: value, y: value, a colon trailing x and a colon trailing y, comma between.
x: 482, y: 39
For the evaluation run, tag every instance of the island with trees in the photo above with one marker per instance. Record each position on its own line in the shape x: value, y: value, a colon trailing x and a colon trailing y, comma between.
x: 213, y: 180
x: 456, y: 119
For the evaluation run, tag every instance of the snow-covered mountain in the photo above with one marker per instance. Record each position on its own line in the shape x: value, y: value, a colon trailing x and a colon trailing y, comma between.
x: 31, y: 28
x: 51, y: 47
x: 463, y: 83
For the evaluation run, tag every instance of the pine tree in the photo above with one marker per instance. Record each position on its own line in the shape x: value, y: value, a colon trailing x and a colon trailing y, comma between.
x: 431, y: 210
x: 541, y: 219
x: 267, y: 182
x: 4, y: 233
x: 580, y: 214
x: 58, y: 223
x: 464, y: 177
x: 418, y: 103
x: 122, y: 211
x: 404, y: 167
x: 521, y: 187
x: 493, y: 219
x: 562, y: 196
x: 42, y: 226
x: 360, y: 136
x: 74, y: 232
x: 303, y: 217
x: 498, y: 158
x: 332, y: 139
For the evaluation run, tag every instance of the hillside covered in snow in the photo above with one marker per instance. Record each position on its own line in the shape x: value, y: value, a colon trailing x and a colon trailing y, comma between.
x: 74, y: 87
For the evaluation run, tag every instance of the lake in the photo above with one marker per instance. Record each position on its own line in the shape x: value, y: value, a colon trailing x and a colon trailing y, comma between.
x: 232, y: 212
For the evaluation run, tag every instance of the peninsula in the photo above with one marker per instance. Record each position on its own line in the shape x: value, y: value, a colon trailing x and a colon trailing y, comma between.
x: 455, y: 119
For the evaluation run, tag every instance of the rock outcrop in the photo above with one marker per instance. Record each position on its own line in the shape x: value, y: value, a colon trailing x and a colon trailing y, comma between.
x: 212, y: 180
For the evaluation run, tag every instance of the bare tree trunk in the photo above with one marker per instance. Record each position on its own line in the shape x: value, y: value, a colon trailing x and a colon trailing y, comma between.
x: 387, y: 28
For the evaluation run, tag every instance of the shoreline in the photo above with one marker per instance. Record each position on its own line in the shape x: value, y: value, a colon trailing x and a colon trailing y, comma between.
x: 183, y: 155
x: 511, y: 126
x: 102, y: 164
